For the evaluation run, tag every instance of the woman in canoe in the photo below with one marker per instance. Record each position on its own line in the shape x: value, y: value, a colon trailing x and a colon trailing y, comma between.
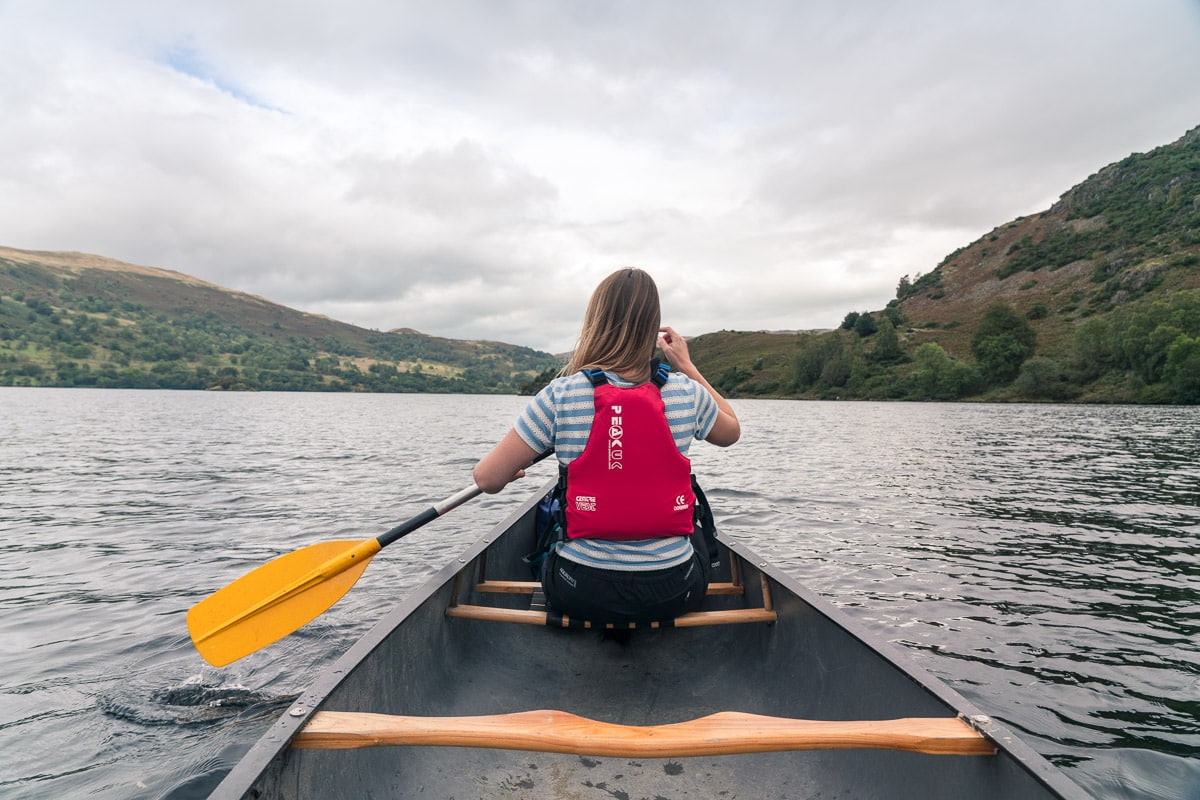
x: 620, y: 425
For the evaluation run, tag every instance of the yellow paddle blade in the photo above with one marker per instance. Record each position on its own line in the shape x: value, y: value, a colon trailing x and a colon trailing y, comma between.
x: 270, y: 602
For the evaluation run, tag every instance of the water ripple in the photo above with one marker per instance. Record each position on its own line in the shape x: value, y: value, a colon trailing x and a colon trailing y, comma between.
x: 1043, y: 560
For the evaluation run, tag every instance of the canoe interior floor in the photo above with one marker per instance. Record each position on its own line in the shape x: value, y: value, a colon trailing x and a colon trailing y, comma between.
x: 494, y: 775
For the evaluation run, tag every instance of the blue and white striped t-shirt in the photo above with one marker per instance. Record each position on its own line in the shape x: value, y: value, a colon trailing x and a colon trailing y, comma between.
x: 560, y: 416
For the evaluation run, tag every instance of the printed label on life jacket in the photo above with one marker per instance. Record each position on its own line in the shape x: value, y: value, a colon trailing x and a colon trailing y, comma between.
x: 616, y: 450
x: 585, y: 502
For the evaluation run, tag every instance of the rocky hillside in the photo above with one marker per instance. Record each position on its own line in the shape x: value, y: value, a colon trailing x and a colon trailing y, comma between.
x: 70, y: 319
x: 1130, y: 231
x: 1095, y: 299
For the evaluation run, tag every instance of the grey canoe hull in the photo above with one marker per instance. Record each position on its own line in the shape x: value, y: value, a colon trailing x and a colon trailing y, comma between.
x: 812, y: 663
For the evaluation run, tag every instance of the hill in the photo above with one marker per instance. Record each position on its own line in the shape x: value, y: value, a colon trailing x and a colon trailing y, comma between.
x: 1095, y: 299
x: 71, y: 319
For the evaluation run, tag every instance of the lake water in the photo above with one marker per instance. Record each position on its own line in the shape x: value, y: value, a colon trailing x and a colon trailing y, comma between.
x: 1042, y: 560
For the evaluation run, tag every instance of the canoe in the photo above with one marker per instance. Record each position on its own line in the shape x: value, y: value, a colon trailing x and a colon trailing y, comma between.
x: 470, y: 689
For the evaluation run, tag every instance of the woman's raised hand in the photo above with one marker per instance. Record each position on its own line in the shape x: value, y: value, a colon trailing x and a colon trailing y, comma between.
x: 675, y: 348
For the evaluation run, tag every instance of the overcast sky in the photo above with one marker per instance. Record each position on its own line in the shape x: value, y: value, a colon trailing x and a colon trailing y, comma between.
x: 472, y: 169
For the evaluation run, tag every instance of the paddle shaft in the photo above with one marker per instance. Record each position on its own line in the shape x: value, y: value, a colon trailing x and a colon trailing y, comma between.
x: 428, y: 515
x: 438, y: 509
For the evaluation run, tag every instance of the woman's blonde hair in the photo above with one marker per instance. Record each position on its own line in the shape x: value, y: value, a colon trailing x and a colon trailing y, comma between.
x: 620, y: 326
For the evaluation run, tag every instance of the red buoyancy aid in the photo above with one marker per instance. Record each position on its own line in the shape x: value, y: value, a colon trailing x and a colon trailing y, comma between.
x: 631, y: 481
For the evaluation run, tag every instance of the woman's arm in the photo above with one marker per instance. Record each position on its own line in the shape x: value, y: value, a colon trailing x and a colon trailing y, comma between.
x: 726, y: 430
x: 504, y: 464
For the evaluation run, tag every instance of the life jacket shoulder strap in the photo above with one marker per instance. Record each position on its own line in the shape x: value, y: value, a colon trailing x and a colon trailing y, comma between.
x: 659, y: 373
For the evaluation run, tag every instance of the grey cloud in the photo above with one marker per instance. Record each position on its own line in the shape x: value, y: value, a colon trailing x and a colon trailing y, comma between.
x: 462, y: 181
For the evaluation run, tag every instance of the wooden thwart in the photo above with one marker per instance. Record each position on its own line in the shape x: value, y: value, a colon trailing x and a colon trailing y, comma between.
x: 724, y: 733
x: 531, y: 617
x: 528, y: 587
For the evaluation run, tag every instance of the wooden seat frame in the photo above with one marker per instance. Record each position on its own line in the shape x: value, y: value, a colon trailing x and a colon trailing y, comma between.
x: 548, y: 618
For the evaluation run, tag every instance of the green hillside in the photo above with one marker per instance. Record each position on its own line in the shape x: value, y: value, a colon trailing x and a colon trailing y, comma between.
x: 69, y: 319
x: 1096, y: 299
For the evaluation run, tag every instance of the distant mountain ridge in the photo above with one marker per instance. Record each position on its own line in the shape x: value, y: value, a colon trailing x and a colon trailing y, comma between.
x: 74, y: 319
